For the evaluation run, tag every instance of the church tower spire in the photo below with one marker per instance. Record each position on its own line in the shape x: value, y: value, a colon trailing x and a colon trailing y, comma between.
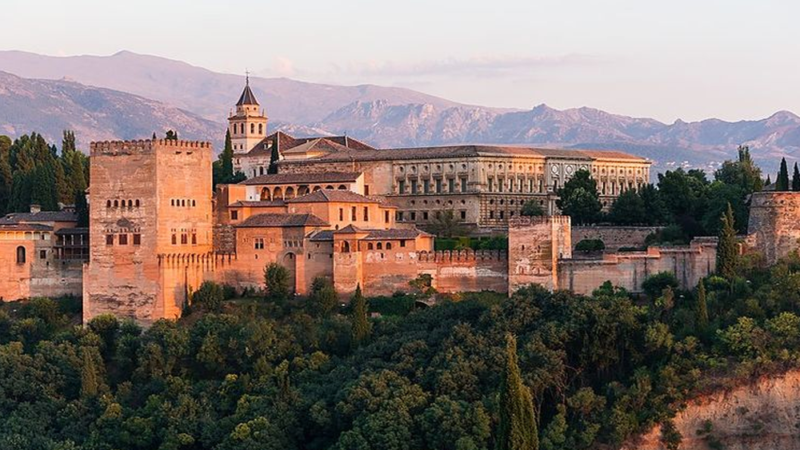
x: 248, y: 125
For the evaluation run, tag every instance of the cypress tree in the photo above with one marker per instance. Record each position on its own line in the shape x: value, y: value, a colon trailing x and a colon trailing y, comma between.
x: 90, y: 383
x: 517, y: 429
x: 782, y: 183
x: 68, y: 143
x: 726, y: 247
x: 796, y: 179
x: 701, y: 308
x: 361, y: 325
x: 226, y: 157
x: 768, y: 182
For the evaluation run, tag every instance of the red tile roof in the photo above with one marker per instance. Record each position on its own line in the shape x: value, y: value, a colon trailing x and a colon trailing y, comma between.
x: 282, y: 220
x: 333, y: 195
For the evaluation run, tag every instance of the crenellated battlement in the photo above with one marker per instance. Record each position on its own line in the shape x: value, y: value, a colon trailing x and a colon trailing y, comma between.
x: 146, y: 146
x: 462, y: 256
x: 526, y: 221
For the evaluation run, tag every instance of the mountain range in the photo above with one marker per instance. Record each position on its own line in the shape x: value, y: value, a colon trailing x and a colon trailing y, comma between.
x: 128, y: 95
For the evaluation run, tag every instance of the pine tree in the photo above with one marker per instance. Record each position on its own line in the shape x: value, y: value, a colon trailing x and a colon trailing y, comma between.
x: 517, y: 429
x: 727, y: 247
x: 701, y: 308
x: 796, y: 179
x: 782, y: 183
x: 361, y: 325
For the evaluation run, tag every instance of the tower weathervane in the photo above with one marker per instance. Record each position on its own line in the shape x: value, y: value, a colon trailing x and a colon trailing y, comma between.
x: 247, y: 76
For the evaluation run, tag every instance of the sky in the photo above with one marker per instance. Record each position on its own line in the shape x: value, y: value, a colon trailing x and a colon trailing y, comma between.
x: 678, y: 59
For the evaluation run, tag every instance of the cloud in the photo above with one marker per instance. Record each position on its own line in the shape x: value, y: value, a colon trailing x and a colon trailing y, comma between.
x: 281, y: 67
x: 474, y: 66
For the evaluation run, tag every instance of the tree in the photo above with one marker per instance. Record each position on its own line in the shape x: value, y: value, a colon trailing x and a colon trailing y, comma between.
x: 796, y: 179
x: 579, y: 198
x: 276, y: 282
x: 768, y: 182
x: 727, y: 248
x: 6, y: 176
x: 701, y: 308
x: 223, y: 167
x: 517, y: 429
x: 782, y: 183
x: 628, y: 209
x: 361, y: 326
x: 532, y: 208
x: 68, y: 142
x: 743, y: 173
x: 654, y: 285
x: 323, y: 298
x: 171, y: 135
x: 209, y: 297
x: 657, y: 213
x: 446, y: 225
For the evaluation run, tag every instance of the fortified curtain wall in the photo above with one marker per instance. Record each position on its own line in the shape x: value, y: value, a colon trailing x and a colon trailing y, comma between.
x: 614, y: 238
x: 629, y: 270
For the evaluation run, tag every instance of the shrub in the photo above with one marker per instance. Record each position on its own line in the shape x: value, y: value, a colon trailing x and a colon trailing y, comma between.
x: 276, y: 282
x: 590, y: 245
x: 654, y: 285
x: 209, y: 296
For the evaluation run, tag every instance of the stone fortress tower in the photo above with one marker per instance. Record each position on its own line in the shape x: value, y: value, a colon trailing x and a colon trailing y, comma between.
x: 148, y: 199
x: 535, y: 246
x: 774, y: 229
x: 248, y: 125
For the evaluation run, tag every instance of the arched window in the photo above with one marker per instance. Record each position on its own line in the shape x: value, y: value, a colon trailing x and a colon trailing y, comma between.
x: 342, y: 187
x: 388, y: 246
x: 108, y: 204
x: 380, y: 246
x: 261, y: 128
x: 137, y: 203
x: 194, y: 203
x: 261, y: 171
x: 369, y: 246
x: 130, y: 203
x: 252, y: 128
x: 20, y: 255
x: 345, y: 247
x: 183, y: 202
x: 116, y: 203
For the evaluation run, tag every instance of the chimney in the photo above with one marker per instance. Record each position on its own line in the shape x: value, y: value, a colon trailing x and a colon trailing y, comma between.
x: 35, y: 208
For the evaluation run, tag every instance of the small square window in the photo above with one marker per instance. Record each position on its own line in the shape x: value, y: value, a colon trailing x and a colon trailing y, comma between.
x: 137, y: 239
x: 123, y: 239
x: 42, y: 254
x: 109, y: 239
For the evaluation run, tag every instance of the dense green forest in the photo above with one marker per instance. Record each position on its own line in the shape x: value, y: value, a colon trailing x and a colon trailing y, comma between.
x: 250, y: 374
x: 32, y: 171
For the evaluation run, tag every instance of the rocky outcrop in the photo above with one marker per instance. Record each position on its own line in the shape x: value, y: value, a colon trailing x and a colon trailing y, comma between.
x: 764, y: 415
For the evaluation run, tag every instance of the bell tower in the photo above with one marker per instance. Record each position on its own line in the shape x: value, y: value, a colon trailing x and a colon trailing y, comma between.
x: 248, y: 125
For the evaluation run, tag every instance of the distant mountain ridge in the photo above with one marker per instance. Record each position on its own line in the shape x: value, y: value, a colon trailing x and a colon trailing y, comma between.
x: 388, y: 116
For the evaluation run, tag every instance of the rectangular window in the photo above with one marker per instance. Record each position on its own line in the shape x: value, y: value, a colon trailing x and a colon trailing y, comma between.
x: 234, y: 215
x: 137, y: 239
x: 366, y: 214
x: 401, y: 187
x: 341, y: 214
x: 413, y: 216
x: 123, y: 239
x: 399, y: 216
x: 194, y: 238
x: 491, y: 214
x: 386, y: 216
x: 425, y: 215
x: 451, y: 185
x: 42, y: 254
x: 366, y: 189
x: 463, y: 215
x: 259, y: 243
x: 426, y: 186
x: 353, y: 214
x: 463, y: 185
x: 109, y: 239
x: 174, y: 239
x: 402, y: 243
x: 184, y: 239
x: 502, y: 215
x: 438, y: 185
x: 500, y: 182
x: 413, y: 186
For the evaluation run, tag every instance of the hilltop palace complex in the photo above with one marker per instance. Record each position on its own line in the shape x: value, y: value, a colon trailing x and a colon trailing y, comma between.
x: 341, y: 209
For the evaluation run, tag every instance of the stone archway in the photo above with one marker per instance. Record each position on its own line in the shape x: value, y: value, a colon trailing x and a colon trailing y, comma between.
x: 289, y: 261
x: 277, y: 194
x: 266, y: 195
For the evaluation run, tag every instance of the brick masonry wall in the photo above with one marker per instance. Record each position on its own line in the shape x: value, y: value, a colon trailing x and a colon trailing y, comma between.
x: 774, y: 227
x: 614, y: 237
x: 465, y: 270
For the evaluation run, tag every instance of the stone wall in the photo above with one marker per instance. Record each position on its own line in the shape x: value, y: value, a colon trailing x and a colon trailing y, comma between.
x: 629, y: 270
x: 465, y: 270
x: 774, y: 227
x: 535, y: 245
x: 614, y: 237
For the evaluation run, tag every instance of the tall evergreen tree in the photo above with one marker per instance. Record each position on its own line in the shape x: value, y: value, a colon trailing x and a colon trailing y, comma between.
x: 361, y: 325
x: 796, y: 178
x: 68, y: 142
x: 6, y: 176
x: 579, y: 198
x: 782, y: 183
x: 90, y: 376
x: 768, y: 182
x: 517, y: 429
x: 727, y: 246
x: 701, y: 308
